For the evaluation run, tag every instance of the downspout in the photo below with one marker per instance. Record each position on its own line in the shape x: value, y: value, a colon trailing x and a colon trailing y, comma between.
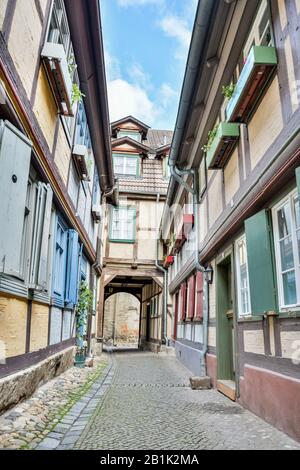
x: 177, y: 175
x: 165, y: 287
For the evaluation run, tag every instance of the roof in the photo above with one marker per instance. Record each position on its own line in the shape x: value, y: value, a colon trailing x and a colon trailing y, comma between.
x: 158, y: 138
x: 134, y: 143
x: 151, y: 182
x: 130, y: 119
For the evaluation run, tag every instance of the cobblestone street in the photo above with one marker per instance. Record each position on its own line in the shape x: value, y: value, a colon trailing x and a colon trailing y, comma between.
x: 149, y: 405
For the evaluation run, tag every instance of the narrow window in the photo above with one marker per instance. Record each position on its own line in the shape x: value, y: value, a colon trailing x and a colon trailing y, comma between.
x: 243, y: 292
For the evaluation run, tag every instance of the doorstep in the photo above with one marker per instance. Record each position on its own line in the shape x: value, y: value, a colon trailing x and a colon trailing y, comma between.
x: 228, y: 388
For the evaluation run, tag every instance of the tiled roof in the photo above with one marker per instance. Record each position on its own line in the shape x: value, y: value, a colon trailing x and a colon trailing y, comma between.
x: 151, y: 181
x: 158, y: 138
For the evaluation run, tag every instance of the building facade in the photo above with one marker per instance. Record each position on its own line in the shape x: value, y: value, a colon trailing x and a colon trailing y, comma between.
x: 133, y: 254
x: 55, y: 166
x: 235, y: 283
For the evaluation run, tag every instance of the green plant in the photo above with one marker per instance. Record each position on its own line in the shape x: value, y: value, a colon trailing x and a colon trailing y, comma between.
x: 211, y: 135
x: 84, y: 304
x: 77, y: 95
x: 228, y: 90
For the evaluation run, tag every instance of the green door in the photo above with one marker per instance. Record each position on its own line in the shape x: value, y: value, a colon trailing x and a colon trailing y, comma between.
x: 225, y: 321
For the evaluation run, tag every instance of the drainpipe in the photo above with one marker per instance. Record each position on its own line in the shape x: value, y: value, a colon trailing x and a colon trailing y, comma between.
x: 178, y: 176
x: 165, y: 287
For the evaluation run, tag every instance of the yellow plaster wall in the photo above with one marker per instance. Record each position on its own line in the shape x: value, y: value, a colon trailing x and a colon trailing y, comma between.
x: 215, y: 198
x: 266, y: 123
x: 254, y: 341
x: 3, y: 5
x: 45, y: 108
x: 231, y: 177
x: 39, y: 327
x: 13, y: 321
x: 62, y: 154
x: 121, y: 250
x: 24, y: 41
x: 282, y: 13
x: 292, y: 82
x: 146, y: 245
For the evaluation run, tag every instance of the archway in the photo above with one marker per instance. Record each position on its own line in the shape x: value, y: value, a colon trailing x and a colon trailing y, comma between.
x: 121, y: 326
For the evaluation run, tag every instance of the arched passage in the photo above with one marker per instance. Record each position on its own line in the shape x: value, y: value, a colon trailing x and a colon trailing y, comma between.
x: 121, y: 320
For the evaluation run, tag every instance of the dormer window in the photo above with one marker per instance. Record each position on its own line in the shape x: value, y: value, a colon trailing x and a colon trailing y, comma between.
x: 126, y: 164
x: 134, y: 135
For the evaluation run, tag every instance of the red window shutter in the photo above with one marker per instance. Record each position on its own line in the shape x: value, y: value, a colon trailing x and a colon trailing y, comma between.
x: 191, y: 306
x: 183, y: 301
x: 199, y: 289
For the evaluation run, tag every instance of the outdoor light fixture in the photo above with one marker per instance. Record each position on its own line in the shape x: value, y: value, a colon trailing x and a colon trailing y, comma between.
x: 209, y: 274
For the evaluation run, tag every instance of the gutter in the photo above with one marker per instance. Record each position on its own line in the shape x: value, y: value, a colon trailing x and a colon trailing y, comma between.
x: 86, y: 32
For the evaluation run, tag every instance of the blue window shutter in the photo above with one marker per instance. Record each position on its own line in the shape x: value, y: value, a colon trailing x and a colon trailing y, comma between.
x: 59, y: 263
x: 15, y: 154
x: 260, y: 264
x: 72, y: 269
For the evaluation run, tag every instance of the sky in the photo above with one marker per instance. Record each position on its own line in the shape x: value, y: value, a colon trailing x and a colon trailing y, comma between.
x: 146, y: 45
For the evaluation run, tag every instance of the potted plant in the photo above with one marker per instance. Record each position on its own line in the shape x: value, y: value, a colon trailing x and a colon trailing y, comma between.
x: 85, y: 299
x: 228, y: 90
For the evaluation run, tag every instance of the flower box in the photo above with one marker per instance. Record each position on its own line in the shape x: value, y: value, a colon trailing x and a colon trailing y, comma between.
x: 222, y: 145
x: 256, y: 72
x: 169, y: 260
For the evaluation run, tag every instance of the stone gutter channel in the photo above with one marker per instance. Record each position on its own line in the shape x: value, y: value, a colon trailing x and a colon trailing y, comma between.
x: 68, y: 431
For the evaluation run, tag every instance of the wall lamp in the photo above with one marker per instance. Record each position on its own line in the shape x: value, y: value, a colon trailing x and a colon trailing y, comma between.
x: 209, y: 273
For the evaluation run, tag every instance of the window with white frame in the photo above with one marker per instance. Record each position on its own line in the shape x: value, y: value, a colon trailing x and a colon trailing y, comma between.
x: 126, y: 165
x: 59, y: 32
x: 243, y: 290
x: 122, y: 226
x: 82, y: 128
x: 261, y: 33
x: 286, y: 224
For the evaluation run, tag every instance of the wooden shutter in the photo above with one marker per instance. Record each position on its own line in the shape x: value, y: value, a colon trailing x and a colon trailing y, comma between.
x: 191, y: 304
x: 38, y: 278
x: 72, y: 269
x: 183, y: 301
x: 15, y: 154
x: 260, y: 264
x: 199, y: 294
x: 298, y: 179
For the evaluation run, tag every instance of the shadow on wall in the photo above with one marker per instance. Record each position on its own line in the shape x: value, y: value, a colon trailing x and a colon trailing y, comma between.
x: 121, y: 320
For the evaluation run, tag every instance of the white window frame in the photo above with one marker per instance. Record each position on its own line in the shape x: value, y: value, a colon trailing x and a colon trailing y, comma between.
x: 287, y: 200
x: 126, y: 158
x: 254, y: 35
x: 132, y: 134
x: 238, y: 277
x: 122, y: 221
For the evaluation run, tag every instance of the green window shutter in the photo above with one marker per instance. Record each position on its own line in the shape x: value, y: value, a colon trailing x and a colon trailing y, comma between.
x: 298, y: 179
x: 260, y: 264
x: 15, y: 154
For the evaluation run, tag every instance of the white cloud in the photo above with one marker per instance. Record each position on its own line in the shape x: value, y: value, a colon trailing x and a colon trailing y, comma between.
x: 125, y: 98
x: 130, y: 3
x: 112, y: 66
x: 166, y: 95
x: 177, y: 28
x: 139, y: 76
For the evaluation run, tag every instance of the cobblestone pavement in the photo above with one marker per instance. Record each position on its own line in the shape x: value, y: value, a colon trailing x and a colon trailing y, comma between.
x: 149, y: 405
x: 33, y: 420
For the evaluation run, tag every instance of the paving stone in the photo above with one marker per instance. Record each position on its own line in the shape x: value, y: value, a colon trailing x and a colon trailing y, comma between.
x: 50, y: 443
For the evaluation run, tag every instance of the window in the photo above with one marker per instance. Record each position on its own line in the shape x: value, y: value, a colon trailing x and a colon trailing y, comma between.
x: 59, y: 261
x: 58, y: 29
x: 243, y: 291
x: 134, y: 135
x: 122, y: 226
x: 286, y: 222
x: 202, y: 177
x: 126, y: 165
x: 261, y: 33
x: 82, y: 129
x: 166, y: 168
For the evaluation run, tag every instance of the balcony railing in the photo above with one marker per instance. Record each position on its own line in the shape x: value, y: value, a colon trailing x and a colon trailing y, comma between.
x: 256, y: 72
x: 222, y: 145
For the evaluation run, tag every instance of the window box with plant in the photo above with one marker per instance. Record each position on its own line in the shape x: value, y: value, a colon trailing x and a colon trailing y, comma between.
x: 221, y: 142
x: 256, y: 73
x: 168, y: 261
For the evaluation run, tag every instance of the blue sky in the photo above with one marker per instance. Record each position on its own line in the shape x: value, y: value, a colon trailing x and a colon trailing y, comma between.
x: 146, y: 45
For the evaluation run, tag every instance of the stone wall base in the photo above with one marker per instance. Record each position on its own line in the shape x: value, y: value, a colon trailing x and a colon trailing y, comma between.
x: 20, y: 386
x: 149, y: 346
x: 272, y: 396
